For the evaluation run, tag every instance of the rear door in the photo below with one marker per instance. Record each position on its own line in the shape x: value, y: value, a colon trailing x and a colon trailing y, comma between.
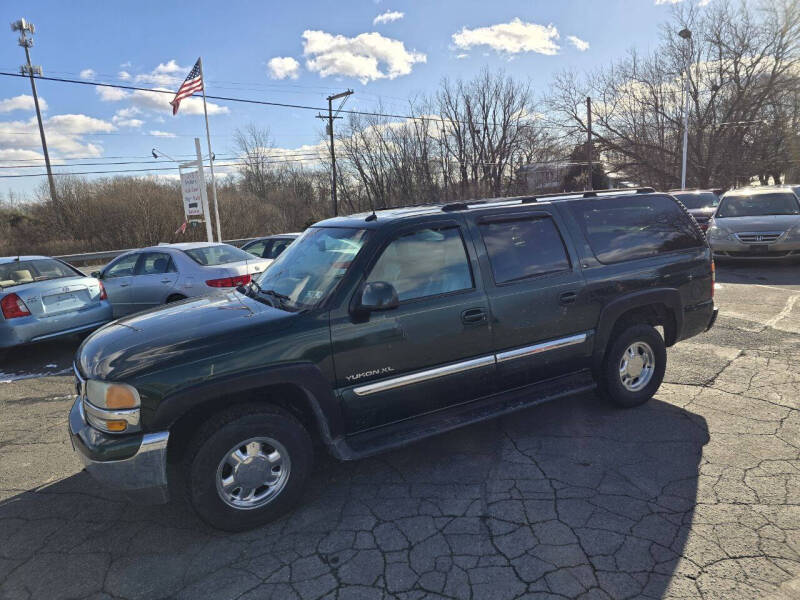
x: 541, y: 327
x: 434, y: 350
x: 117, y: 278
x: 154, y: 280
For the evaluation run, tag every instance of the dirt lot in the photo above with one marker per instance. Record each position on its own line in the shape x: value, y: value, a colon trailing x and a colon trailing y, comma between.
x: 694, y: 495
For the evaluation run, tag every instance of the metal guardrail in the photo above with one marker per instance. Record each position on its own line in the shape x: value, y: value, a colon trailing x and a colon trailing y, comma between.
x: 94, y: 258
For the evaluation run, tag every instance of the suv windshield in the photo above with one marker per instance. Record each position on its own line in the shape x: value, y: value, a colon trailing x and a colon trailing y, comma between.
x: 211, y: 256
x: 697, y: 199
x: 30, y: 271
x: 309, y: 269
x: 753, y: 205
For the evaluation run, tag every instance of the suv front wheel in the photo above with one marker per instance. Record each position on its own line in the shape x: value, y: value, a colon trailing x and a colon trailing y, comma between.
x: 246, y: 466
x: 633, y: 367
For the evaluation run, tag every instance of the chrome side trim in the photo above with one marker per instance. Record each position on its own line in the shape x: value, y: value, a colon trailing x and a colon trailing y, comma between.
x: 396, y: 382
x: 578, y: 338
x: 129, y: 415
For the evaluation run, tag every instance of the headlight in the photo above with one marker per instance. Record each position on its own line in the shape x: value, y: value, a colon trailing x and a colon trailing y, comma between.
x: 715, y: 232
x: 793, y: 233
x: 112, y: 407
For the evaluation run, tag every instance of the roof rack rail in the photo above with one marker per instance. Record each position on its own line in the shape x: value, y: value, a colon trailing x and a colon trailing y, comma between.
x: 589, y: 194
x: 451, y: 206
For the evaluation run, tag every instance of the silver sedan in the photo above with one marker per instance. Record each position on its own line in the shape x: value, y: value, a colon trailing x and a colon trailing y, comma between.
x: 43, y: 298
x: 148, y: 277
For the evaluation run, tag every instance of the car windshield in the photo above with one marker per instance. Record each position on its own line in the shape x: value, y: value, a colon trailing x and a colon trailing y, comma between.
x: 30, y: 271
x: 309, y: 269
x: 753, y: 205
x: 697, y: 199
x: 211, y: 256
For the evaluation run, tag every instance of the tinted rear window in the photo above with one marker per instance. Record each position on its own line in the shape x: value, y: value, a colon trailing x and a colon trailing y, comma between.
x: 698, y: 199
x: 524, y: 248
x: 619, y: 229
x: 210, y: 256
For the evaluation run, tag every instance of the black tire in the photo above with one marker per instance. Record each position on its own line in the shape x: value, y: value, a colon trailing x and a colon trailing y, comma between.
x: 610, y: 381
x: 175, y: 298
x: 217, y: 437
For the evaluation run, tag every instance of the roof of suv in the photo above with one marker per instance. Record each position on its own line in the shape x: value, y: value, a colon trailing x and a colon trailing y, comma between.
x: 378, y: 218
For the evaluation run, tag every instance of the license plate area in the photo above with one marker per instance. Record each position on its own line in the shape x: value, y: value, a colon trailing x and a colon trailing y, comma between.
x: 759, y: 249
x: 60, y: 299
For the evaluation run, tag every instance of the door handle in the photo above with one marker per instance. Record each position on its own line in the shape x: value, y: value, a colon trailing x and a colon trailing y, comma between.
x: 473, y: 315
x: 567, y: 298
x: 166, y: 281
x: 124, y: 284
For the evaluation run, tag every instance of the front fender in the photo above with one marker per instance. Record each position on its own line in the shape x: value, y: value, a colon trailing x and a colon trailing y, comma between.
x: 305, y: 376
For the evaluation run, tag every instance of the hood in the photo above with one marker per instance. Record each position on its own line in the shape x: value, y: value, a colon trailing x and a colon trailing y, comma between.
x: 758, y: 223
x: 176, y: 332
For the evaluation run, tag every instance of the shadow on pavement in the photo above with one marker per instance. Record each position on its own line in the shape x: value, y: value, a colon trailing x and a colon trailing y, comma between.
x: 567, y: 498
x: 38, y: 360
x: 758, y: 271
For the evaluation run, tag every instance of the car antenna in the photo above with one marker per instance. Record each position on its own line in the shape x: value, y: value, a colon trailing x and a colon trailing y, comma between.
x: 373, y: 216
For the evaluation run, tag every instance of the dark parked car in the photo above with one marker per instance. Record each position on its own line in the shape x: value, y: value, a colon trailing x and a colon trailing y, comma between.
x: 376, y: 330
x: 270, y: 247
x: 700, y: 203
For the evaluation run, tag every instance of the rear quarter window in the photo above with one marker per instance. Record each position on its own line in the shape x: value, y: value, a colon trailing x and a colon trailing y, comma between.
x: 631, y: 227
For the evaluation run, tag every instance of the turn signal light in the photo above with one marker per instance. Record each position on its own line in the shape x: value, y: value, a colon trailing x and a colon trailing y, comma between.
x: 229, y: 281
x: 116, y: 426
x: 13, y: 307
x: 103, y: 294
x: 120, y: 397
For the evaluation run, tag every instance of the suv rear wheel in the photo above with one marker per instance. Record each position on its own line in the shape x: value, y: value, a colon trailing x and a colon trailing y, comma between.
x: 247, y: 466
x: 633, y: 367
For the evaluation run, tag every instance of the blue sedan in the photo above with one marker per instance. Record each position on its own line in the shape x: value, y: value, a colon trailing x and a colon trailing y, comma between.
x: 42, y: 298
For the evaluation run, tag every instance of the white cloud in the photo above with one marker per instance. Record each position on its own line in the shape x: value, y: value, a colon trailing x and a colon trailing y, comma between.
x: 88, y: 74
x: 361, y: 57
x: 21, y: 102
x: 124, y: 75
x: 282, y: 67
x: 701, y: 3
x: 161, y: 134
x: 109, y: 94
x: 125, y: 117
x: 64, y: 135
x: 388, y: 17
x: 580, y: 44
x: 169, y: 73
x: 510, y: 38
x: 461, y: 56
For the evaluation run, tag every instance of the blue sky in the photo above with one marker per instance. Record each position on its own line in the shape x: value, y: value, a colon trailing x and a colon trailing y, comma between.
x: 320, y: 47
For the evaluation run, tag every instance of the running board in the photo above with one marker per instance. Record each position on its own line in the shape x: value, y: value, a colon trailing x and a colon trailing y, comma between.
x: 408, y: 431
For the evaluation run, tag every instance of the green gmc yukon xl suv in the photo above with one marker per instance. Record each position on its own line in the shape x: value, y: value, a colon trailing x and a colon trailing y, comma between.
x: 375, y: 330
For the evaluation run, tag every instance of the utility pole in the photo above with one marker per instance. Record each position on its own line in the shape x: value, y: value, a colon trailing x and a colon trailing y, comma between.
x: 24, y: 27
x: 330, y: 118
x: 589, y: 138
x: 686, y: 34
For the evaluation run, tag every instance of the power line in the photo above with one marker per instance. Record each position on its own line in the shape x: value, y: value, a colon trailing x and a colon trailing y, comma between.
x: 148, y: 162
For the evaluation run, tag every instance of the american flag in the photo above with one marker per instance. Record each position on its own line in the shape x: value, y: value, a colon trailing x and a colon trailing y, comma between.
x: 192, y: 84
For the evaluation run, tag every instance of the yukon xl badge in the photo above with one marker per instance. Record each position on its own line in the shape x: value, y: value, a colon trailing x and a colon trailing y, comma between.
x: 372, y: 373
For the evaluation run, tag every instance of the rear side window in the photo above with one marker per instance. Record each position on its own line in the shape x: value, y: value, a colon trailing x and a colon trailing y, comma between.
x: 631, y: 227
x: 523, y: 248
x: 155, y: 263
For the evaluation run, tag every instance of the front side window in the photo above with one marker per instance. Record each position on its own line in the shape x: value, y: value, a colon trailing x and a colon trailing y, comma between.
x: 753, y: 205
x: 523, y: 248
x: 123, y: 267
x: 29, y: 271
x: 631, y: 227
x: 256, y: 248
x: 155, y: 263
x: 427, y: 262
x: 309, y: 270
x: 276, y: 247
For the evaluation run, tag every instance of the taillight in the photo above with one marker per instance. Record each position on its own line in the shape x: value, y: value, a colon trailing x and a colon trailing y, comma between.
x: 229, y: 281
x: 103, y: 294
x: 13, y: 307
x: 713, y: 278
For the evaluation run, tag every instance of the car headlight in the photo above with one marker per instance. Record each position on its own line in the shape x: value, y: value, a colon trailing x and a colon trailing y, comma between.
x: 112, y: 407
x: 794, y: 233
x: 715, y: 232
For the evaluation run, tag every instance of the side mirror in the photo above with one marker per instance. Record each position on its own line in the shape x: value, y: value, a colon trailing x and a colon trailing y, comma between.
x: 97, y: 274
x: 378, y: 295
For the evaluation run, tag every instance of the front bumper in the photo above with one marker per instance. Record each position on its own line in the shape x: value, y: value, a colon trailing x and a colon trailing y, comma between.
x: 780, y: 250
x: 135, y: 464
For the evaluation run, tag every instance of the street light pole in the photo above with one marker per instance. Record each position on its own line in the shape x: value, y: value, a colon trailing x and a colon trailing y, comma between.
x: 24, y: 27
x: 686, y: 35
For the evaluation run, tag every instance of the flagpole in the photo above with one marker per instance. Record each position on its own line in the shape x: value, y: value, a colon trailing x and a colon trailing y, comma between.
x: 210, y: 154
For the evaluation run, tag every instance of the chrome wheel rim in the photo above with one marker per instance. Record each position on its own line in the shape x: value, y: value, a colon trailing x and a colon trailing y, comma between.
x: 253, y: 473
x: 636, y: 366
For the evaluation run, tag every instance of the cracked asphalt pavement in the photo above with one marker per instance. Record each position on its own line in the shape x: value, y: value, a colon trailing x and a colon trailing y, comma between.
x: 694, y: 495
